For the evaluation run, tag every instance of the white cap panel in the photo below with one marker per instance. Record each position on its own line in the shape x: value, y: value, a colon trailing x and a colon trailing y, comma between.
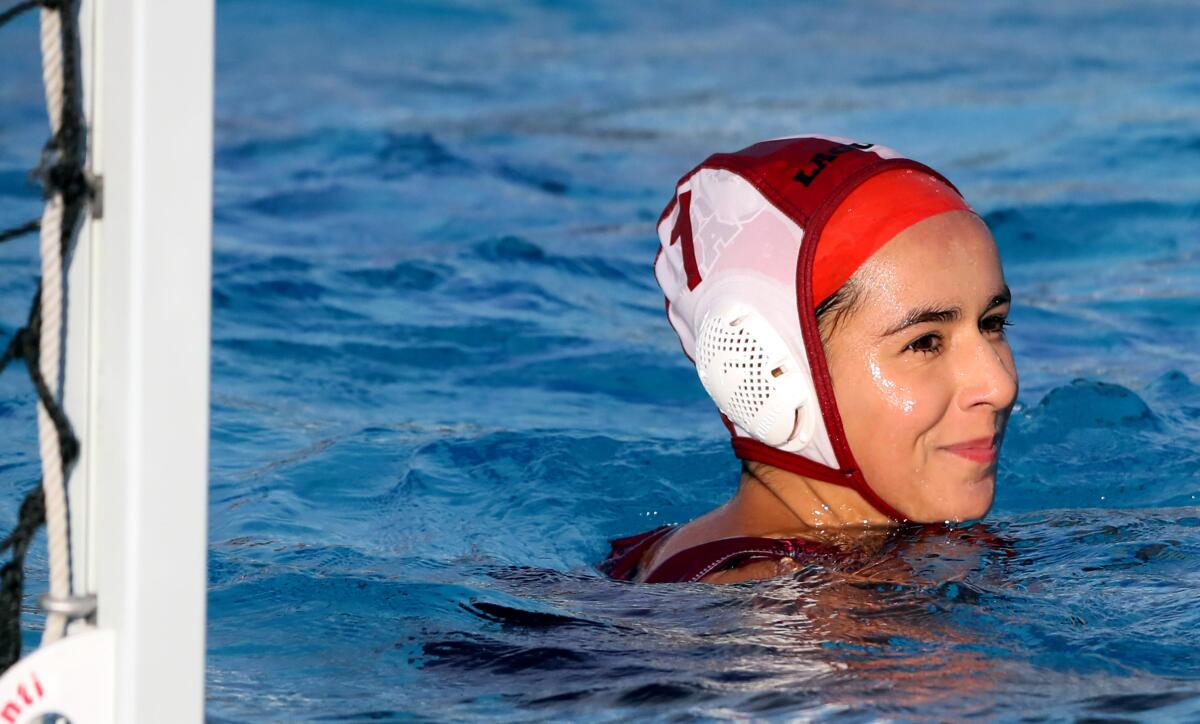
x: 746, y: 252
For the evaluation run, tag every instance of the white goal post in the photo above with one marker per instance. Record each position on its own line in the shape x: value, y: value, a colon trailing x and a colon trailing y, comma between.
x: 137, y: 368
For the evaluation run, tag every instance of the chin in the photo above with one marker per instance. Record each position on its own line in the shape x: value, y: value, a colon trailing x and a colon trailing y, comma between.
x: 976, y: 506
x: 959, y: 505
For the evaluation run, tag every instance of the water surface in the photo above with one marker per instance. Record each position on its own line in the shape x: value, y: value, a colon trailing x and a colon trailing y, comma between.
x: 442, y: 377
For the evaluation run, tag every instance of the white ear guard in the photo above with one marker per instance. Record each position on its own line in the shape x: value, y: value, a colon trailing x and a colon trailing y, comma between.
x: 746, y: 367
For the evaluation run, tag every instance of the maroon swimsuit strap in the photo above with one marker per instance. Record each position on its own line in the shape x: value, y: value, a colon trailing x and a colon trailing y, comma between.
x: 622, y: 562
x: 693, y: 564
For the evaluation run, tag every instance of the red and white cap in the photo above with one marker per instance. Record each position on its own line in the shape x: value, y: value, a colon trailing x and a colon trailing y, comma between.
x: 751, y: 243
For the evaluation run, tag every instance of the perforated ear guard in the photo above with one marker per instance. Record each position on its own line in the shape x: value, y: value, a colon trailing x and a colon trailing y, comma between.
x: 746, y: 367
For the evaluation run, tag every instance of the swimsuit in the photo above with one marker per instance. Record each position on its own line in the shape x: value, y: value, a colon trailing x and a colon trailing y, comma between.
x: 693, y: 564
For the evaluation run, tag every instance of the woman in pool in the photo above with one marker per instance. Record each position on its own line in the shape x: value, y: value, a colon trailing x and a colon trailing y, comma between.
x: 845, y: 309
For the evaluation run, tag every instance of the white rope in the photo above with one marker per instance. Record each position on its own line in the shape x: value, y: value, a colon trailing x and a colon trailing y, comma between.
x: 50, y: 358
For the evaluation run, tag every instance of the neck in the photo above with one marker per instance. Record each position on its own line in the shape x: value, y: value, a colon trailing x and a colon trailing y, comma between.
x: 782, y: 499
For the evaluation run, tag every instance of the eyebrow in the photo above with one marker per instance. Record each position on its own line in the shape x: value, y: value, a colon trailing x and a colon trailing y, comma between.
x: 924, y: 315
x: 1004, y: 296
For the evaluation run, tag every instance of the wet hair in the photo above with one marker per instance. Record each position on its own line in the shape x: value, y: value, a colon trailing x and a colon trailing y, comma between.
x: 836, y: 307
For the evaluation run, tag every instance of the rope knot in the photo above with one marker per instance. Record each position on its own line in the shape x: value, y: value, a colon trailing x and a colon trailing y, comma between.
x: 60, y: 171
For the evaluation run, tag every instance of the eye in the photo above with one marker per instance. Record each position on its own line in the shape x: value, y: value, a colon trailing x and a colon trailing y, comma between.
x: 995, y: 324
x: 926, y: 344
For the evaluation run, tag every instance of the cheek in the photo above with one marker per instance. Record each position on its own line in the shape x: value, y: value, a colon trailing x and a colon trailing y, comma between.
x: 891, y: 396
x: 887, y: 416
x: 908, y: 405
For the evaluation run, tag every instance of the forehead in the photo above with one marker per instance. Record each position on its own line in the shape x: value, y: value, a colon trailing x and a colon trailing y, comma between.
x: 949, y: 259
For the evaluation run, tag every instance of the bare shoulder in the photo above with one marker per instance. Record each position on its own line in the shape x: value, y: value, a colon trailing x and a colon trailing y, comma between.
x: 708, y: 527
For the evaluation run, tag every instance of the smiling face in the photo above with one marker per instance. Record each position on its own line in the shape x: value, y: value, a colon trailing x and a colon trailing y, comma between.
x: 922, y: 371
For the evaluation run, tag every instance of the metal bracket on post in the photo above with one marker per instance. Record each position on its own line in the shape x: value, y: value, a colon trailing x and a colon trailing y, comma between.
x: 73, y: 607
x: 96, y: 194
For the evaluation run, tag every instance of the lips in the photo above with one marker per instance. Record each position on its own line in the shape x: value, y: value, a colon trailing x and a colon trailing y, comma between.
x: 979, y: 450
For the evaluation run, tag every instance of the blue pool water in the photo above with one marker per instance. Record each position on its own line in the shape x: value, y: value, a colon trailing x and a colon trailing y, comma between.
x: 442, y: 378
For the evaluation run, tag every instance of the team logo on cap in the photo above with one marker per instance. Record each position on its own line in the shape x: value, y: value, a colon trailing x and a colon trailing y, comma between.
x: 819, y: 160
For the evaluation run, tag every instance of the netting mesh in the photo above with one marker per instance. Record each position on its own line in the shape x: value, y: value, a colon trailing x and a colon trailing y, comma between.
x: 65, y: 185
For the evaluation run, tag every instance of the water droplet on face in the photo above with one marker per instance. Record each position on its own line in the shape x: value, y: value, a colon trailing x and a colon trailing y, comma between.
x: 890, y: 390
x: 877, y: 375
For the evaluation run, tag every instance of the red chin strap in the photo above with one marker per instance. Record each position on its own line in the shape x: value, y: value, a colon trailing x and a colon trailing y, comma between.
x: 755, y: 451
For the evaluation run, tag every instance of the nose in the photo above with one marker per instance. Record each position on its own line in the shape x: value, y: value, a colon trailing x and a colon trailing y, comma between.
x: 988, y: 375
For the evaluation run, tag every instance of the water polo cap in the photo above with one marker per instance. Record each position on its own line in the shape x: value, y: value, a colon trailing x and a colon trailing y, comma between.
x: 738, y: 264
